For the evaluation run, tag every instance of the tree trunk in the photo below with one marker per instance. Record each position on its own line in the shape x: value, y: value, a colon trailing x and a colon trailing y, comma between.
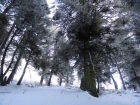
x: 4, y: 55
x: 98, y: 86
x: 95, y: 76
x: 10, y: 62
x: 4, y: 82
x: 120, y: 76
x: 60, y: 82
x: 24, y: 39
x: 12, y: 58
x: 88, y: 82
x: 115, y: 83
x: 49, y: 82
x: 19, y: 82
x: 137, y: 78
x: 2, y: 45
x: 15, y: 67
x: 67, y: 81
x: 41, y: 80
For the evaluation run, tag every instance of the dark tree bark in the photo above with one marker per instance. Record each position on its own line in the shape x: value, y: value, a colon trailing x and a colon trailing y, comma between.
x: 15, y: 67
x: 136, y: 76
x: 115, y: 83
x: 4, y: 82
x: 120, y: 75
x: 4, y: 55
x: 98, y: 85
x: 88, y: 82
x: 67, y: 80
x: 2, y: 45
x: 12, y: 59
x: 18, y: 59
x: 19, y: 82
x: 10, y: 62
x: 49, y: 82
x: 60, y: 82
x: 41, y: 80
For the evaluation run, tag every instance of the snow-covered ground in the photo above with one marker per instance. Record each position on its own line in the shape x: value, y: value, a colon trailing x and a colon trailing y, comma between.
x: 54, y: 95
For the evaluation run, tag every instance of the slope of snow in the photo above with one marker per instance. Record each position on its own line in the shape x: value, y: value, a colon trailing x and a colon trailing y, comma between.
x: 43, y: 95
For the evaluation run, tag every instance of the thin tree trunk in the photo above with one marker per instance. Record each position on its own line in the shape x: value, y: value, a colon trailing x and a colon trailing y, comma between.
x: 12, y: 60
x: 41, y: 80
x: 7, y: 37
x: 2, y: 45
x: 115, y: 83
x: 95, y: 76
x: 18, y: 59
x: 98, y: 84
x: 60, y: 82
x: 15, y: 67
x: 67, y: 80
x: 135, y: 74
x: 120, y: 76
x: 49, y: 82
x: 19, y: 82
x: 4, y: 55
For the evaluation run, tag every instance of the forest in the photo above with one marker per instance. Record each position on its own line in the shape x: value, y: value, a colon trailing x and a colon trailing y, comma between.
x: 94, y: 38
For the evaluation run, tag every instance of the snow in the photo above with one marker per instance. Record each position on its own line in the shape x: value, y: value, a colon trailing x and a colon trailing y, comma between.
x: 55, y: 95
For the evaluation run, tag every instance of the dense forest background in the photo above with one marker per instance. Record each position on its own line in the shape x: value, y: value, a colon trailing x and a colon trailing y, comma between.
x: 95, y: 38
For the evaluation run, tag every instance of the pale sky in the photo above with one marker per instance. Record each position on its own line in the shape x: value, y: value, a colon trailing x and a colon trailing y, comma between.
x: 50, y: 1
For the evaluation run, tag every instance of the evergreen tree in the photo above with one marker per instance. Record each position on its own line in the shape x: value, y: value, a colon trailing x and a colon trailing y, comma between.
x: 26, y: 32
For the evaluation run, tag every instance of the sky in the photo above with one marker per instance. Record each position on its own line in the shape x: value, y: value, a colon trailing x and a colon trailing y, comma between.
x: 50, y: 2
